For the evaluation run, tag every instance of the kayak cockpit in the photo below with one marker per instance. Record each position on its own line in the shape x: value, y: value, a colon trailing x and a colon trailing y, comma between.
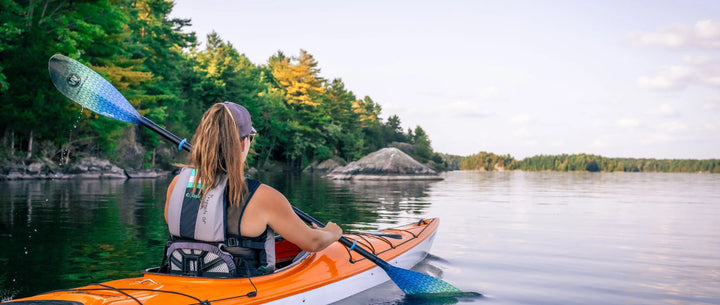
x: 287, y: 255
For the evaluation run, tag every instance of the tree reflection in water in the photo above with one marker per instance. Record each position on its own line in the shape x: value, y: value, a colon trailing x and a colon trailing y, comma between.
x: 356, y: 204
x: 66, y: 233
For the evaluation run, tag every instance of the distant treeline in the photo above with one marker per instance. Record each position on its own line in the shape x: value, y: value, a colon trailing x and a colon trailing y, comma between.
x: 171, y: 80
x: 584, y: 162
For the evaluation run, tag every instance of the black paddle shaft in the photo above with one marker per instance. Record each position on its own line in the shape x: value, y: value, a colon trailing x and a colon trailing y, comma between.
x: 164, y: 133
x: 343, y: 240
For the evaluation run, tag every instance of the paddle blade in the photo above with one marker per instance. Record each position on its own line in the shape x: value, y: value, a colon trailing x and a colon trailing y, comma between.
x: 87, y: 88
x: 412, y: 282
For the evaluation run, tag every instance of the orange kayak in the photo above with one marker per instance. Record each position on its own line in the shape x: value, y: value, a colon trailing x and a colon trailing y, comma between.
x: 301, y: 278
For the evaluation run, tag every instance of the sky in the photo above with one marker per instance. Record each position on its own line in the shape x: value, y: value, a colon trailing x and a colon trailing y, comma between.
x: 635, y: 79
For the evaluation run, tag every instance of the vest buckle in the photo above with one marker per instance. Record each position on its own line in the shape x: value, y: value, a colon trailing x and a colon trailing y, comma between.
x: 232, y: 242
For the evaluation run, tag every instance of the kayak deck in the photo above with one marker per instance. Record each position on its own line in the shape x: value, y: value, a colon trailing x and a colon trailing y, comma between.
x: 310, y: 278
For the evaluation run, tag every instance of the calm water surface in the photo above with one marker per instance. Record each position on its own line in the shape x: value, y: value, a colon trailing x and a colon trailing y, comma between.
x: 515, y: 237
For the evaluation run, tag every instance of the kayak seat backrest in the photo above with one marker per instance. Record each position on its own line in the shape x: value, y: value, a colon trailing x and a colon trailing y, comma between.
x: 199, y: 259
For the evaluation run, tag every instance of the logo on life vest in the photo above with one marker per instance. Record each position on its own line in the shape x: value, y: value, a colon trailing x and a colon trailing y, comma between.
x: 196, y: 196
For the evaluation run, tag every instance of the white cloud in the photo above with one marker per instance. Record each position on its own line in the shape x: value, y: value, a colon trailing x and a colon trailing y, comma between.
x: 704, y: 34
x: 708, y: 31
x: 558, y: 143
x: 667, y: 109
x: 672, y: 126
x: 628, y: 123
x: 711, y: 127
x: 694, y: 70
x: 439, y: 109
x: 522, y: 133
x: 712, y: 104
x: 466, y: 109
x: 673, y: 36
x: 597, y: 143
x: 483, y: 94
x: 488, y: 93
x: 668, y: 78
x: 700, y: 70
x: 520, y: 118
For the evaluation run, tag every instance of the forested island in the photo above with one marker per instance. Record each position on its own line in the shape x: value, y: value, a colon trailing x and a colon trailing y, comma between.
x: 165, y: 74
x: 586, y: 162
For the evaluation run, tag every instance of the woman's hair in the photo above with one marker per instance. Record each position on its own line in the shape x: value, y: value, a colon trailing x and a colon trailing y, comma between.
x: 217, y: 149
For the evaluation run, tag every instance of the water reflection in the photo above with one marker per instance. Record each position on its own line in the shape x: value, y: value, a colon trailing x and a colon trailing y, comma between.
x: 67, y: 233
x: 61, y: 234
x: 519, y: 238
x: 394, y: 201
x: 357, y: 205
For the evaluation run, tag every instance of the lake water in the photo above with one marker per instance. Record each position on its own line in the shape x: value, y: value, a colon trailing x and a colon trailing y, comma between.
x: 515, y: 237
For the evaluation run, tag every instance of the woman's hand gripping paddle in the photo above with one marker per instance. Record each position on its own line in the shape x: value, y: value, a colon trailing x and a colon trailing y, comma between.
x: 410, y: 282
x: 87, y: 88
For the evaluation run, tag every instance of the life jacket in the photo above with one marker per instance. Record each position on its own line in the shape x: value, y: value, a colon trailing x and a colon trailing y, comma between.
x: 200, y: 244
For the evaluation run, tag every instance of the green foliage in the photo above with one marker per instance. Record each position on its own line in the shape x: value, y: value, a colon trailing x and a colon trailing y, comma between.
x: 30, y: 106
x: 421, y: 144
x: 585, y: 162
x: 488, y: 162
x: 394, y: 131
x: 299, y: 115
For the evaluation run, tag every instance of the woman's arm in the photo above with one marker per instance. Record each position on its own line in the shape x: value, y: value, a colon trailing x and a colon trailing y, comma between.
x: 281, y: 218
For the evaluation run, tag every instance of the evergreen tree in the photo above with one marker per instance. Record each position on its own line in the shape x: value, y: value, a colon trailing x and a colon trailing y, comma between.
x: 421, y: 144
x: 38, y: 30
x: 368, y: 113
x: 156, y: 42
x: 344, y: 133
x: 394, y: 131
x: 298, y: 79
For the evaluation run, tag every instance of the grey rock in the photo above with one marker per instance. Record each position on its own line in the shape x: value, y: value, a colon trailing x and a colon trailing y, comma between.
x: 325, y: 166
x: 385, y: 164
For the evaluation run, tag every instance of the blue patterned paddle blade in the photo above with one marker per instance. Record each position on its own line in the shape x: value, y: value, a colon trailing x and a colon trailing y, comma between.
x: 87, y: 88
x: 414, y: 283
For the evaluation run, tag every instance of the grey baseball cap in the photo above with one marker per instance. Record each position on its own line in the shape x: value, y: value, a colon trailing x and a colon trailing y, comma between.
x: 242, y: 118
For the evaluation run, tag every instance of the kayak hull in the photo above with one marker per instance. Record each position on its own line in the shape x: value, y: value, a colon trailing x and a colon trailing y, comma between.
x: 323, y: 277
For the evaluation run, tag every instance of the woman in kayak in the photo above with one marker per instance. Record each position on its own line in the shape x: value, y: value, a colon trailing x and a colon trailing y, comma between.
x: 211, y: 206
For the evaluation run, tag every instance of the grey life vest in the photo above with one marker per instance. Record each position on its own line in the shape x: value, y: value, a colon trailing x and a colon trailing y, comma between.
x: 200, y: 244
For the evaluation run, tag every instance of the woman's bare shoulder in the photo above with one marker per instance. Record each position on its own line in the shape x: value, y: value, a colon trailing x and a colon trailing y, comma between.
x: 269, y: 195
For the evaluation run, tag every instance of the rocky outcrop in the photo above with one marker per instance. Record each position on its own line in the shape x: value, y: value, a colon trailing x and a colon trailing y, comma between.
x: 94, y: 168
x: 145, y: 173
x: 323, y: 167
x: 42, y: 168
x: 87, y: 168
x: 385, y: 164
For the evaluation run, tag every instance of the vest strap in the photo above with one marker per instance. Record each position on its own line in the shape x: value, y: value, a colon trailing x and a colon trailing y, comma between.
x: 244, y: 243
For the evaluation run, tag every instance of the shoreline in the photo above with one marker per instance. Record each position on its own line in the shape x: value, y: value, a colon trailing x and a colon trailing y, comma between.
x: 126, y: 174
x: 87, y: 168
